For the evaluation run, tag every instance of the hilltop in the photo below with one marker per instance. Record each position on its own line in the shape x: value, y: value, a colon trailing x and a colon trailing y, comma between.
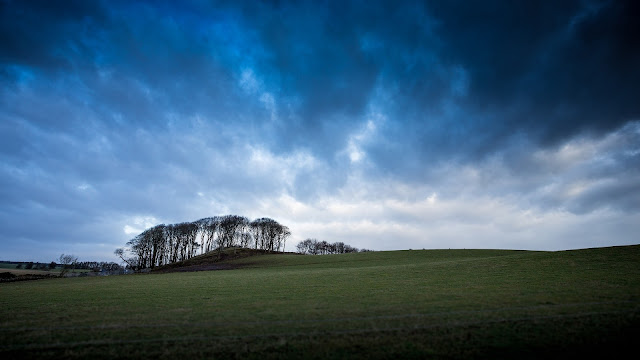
x: 216, y: 261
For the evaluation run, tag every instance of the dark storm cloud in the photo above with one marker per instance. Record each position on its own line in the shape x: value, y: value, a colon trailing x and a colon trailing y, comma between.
x: 37, y: 33
x: 445, y: 69
x: 461, y: 79
x: 557, y: 67
x: 132, y: 61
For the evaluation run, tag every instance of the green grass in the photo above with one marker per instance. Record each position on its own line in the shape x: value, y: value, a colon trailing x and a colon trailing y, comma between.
x: 433, y: 303
x: 47, y: 271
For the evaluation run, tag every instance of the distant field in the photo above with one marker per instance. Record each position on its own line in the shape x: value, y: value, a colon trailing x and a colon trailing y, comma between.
x: 4, y: 266
x: 11, y: 267
x: 407, y: 304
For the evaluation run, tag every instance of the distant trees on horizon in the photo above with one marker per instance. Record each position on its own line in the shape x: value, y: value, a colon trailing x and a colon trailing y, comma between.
x: 95, y: 266
x: 165, y: 244
x: 316, y: 247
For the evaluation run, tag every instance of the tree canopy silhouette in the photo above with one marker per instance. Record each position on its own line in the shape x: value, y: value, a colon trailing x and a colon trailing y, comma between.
x: 165, y: 244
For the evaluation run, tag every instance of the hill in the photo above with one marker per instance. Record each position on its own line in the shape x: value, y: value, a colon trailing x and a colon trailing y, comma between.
x: 215, y: 261
x: 400, y: 304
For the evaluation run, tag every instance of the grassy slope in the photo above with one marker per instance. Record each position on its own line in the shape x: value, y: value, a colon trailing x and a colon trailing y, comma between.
x: 442, y: 303
x: 214, y: 260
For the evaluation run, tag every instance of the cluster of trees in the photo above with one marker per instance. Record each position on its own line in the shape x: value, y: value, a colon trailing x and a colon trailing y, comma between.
x: 37, y: 266
x: 98, y: 266
x: 165, y: 244
x: 70, y: 262
x: 315, y: 247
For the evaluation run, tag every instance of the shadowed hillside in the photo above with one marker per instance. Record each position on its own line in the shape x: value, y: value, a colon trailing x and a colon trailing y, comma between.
x: 215, y: 261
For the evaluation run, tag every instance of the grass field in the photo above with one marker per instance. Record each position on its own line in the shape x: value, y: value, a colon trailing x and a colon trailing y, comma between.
x: 402, y: 304
x: 11, y: 267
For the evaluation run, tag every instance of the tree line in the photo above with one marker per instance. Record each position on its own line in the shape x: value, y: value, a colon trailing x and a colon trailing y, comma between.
x: 95, y: 266
x: 315, y: 247
x: 165, y: 244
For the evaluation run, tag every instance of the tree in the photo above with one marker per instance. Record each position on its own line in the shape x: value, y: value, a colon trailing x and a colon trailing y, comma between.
x: 52, y: 265
x: 284, y: 235
x: 187, y: 233
x: 350, y: 249
x: 232, y: 230
x: 208, y: 228
x: 120, y: 252
x: 304, y: 246
x: 315, y: 247
x: 156, y: 239
x: 269, y: 234
x: 68, y: 262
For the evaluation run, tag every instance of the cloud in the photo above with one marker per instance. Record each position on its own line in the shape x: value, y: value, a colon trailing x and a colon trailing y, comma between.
x: 549, y: 69
x: 381, y: 219
x: 417, y: 122
x: 492, y: 70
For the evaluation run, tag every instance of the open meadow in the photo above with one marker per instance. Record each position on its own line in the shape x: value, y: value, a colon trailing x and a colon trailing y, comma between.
x: 407, y: 304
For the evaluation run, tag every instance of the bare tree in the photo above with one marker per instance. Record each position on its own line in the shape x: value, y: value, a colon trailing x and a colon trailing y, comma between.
x: 187, y: 233
x: 284, y: 235
x: 68, y: 261
x: 208, y: 228
x: 230, y: 228
x: 131, y: 262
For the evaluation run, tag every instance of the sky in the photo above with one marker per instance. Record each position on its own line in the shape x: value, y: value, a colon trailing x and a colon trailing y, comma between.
x: 383, y: 124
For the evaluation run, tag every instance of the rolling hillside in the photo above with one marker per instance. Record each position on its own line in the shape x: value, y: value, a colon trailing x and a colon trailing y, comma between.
x: 431, y: 303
